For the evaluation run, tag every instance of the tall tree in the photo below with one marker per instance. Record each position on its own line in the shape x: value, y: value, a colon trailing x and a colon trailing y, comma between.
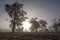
x: 35, y: 24
x: 16, y: 13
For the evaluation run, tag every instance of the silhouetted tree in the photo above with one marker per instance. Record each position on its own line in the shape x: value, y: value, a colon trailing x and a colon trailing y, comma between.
x: 19, y: 29
x: 43, y: 24
x: 35, y: 24
x: 51, y: 29
x: 16, y: 13
x: 56, y: 25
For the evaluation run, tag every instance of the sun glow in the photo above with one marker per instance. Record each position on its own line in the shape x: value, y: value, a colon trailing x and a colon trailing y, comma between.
x: 26, y: 25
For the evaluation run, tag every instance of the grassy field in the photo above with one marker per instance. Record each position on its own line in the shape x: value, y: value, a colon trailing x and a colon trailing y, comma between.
x: 29, y: 36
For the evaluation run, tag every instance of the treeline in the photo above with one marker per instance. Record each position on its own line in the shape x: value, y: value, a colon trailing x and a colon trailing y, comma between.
x: 18, y: 15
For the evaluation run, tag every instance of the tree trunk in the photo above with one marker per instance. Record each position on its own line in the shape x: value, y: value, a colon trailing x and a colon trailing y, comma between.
x: 13, y: 27
x: 13, y: 24
x: 55, y: 29
x: 36, y: 30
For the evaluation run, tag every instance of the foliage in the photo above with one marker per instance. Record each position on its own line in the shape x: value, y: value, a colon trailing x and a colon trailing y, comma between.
x: 43, y: 24
x: 35, y: 24
x: 56, y: 25
x: 16, y: 13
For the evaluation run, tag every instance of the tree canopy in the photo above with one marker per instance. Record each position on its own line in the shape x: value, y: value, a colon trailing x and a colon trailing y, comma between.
x: 16, y: 13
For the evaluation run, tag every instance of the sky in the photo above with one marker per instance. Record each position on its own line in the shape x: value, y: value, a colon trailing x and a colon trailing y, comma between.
x: 42, y: 9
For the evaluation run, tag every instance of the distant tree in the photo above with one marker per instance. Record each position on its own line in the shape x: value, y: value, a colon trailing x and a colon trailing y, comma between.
x: 51, y: 29
x: 56, y: 25
x: 16, y: 13
x: 35, y: 24
x: 43, y: 25
x: 19, y: 29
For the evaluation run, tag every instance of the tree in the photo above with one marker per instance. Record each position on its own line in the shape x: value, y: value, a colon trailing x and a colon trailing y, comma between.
x: 43, y: 24
x: 16, y: 13
x: 19, y: 29
x: 35, y: 24
x: 56, y: 25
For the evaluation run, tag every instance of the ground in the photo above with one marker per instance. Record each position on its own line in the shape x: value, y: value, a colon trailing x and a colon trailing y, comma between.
x: 29, y: 36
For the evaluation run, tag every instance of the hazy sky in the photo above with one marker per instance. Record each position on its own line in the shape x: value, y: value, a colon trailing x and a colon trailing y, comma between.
x: 43, y: 9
